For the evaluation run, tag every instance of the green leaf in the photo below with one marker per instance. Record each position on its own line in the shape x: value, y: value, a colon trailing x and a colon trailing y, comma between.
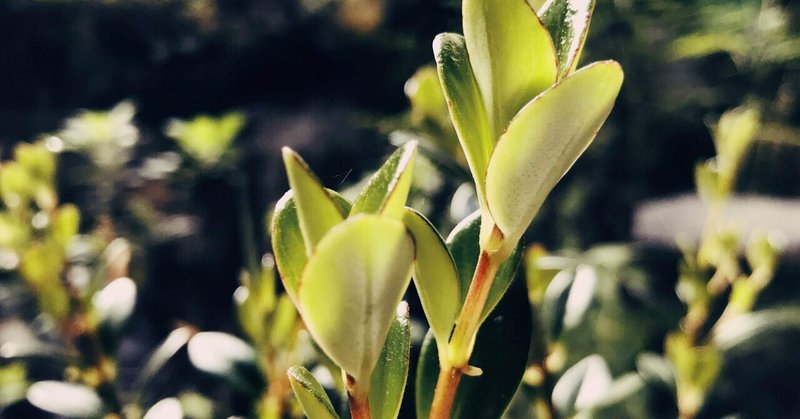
x: 287, y: 239
x: 310, y: 394
x: 501, y: 351
x: 316, y: 209
x: 204, y: 137
x: 176, y: 340
x: 581, y: 386
x: 169, y: 408
x: 542, y: 143
x: 351, y: 287
x: 568, y: 23
x: 464, y: 100
x: 390, y: 375
x: 228, y: 357
x: 555, y: 303
x: 435, y: 276
x: 511, y: 53
x: 387, y: 189
x: 463, y: 245
x: 65, y: 399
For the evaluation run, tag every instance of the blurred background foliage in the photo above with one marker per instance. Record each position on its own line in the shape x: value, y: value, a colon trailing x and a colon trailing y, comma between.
x: 190, y: 103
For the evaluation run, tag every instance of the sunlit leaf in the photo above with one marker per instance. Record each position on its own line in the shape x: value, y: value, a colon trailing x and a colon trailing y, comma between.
x: 464, y: 100
x: 542, y: 143
x: 114, y: 304
x: 176, y: 340
x: 351, y: 286
x: 501, y: 351
x: 463, y: 245
x: 316, y: 209
x: 435, y: 276
x: 568, y: 23
x: 310, y: 394
x: 555, y: 302
x: 227, y: 357
x: 511, y: 53
x: 390, y: 374
x: 388, y: 188
x: 582, y: 385
x: 65, y: 399
x: 204, y: 137
x: 169, y: 408
x: 287, y: 239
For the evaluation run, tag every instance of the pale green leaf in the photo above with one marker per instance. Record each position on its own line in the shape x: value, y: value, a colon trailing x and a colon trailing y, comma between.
x: 316, y: 209
x: 390, y: 375
x: 310, y: 394
x: 511, y: 53
x: 568, y: 23
x: 388, y: 188
x: 435, y: 276
x: 351, y: 286
x: 542, y: 143
x: 581, y: 386
x: 464, y: 100
x: 287, y: 239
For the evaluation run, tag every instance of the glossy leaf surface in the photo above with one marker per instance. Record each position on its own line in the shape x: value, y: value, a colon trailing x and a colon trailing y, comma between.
x: 511, y: 53
x: 391, y: 373
x: 435, y: 275
x: 310, y: 394
x: 65, y: 399
x: 226, y: 356
x: 387, y: 189
x: 542, y: 143
x: 568, y: 24
x: 351, y: 287
x: 581, y: 386
x: 501, y: 351
x: 316, y: 210
x: 465, y: 103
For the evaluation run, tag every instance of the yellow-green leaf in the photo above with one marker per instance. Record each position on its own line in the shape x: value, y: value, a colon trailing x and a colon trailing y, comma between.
x: 350, y: 288
x: 287, y: 239
x: 390, y: 375
x: 464, y: 100
x: 511, y: 53
x: 542, y: 143
x: 568, y: 23
x: 317, y: 212
x: 310, y: 394
x: 387, y: 189
x: 435, y: 276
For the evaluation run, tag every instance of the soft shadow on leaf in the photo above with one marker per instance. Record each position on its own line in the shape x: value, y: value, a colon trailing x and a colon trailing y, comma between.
x: 310, y: 394
x: 390, y: 374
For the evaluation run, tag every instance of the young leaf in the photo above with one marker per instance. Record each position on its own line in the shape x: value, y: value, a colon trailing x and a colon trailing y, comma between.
x: 390, y: 375
x: 435, y: 276
x: 511, y: 53
x: 287, y: 240
x: 65, y: 399
x: 351, y: 286
x: 388, y: 188
x: 501, y: 351
x: 543, y: 141
x: 463, y: 245
x: 464, y: 100
x: 316, y: 210
x: 568, y: 23
x: 310, y: 394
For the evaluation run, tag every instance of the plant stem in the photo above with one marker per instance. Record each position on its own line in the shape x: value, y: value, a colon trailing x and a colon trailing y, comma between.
x: 359, y: 400
x: 445, y: 392
x: 248, y: 240
x: 463, y: 340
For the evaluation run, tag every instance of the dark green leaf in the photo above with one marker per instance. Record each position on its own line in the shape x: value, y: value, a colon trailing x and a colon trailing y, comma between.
x: 310, y: 394
x: 391, y: 373
x: 501, y: 351
x: 463, y: 244
x: 568, y: 23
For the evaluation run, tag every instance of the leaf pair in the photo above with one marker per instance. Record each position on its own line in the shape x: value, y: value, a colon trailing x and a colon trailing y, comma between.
x: 522, y: 116
x: 346, y: 266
